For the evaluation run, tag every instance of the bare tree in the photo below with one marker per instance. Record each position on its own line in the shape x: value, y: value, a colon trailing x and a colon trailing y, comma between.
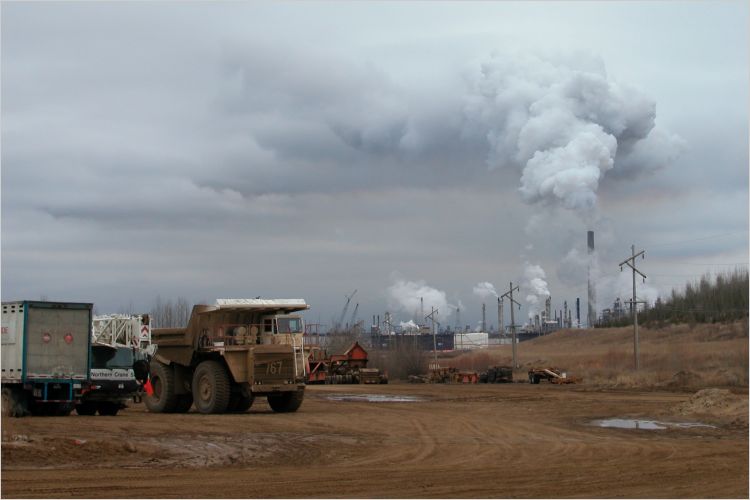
x: 168, y: 314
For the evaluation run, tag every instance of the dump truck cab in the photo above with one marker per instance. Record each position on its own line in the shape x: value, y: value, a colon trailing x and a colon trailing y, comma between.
x: 228, y: 354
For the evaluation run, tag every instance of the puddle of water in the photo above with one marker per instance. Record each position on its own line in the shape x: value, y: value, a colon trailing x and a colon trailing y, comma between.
x: 631, y: 423
x: 626, y: 423
x: 374, y: 398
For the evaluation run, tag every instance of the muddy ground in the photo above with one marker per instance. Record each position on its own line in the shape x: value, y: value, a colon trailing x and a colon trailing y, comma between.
x: 512, y: 440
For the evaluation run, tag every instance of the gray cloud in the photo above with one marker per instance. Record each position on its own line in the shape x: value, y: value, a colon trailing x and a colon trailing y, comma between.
x: 244, y: 149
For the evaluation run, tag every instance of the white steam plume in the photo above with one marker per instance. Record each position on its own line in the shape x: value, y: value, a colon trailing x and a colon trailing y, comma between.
x: 485, y: 289
x: 535, y: 281
x: 404, y: 296
x: 565, y: 124
x: 620, y: 284
x: 408, y: 325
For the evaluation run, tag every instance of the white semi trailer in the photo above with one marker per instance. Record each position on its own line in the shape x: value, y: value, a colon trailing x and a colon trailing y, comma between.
x: 45, y: 356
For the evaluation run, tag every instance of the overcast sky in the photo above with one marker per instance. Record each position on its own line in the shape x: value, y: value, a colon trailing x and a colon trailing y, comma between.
x: 307, y: 149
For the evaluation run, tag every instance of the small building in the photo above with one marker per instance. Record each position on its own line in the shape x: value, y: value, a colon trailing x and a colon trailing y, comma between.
x: 470, y: 341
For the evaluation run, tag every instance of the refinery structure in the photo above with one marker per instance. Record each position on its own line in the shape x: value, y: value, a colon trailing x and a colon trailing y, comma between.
x: 426, y: 332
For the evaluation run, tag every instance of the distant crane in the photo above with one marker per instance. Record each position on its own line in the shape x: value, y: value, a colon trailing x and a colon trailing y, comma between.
x: 351, y: 323
x: 337, y: 326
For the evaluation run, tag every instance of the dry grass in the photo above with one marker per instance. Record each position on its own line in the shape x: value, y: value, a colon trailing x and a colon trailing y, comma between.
x: 677, y: 356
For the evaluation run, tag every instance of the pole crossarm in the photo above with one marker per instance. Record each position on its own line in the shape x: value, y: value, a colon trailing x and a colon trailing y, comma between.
x: 642, y: 252
x: 429, y: 316
x: 509, y: 294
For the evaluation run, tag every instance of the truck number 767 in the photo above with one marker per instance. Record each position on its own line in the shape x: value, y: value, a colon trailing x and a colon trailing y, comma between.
x: 273, y: 368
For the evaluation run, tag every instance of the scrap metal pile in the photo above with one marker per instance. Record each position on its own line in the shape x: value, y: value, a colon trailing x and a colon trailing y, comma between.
x: 347, y: 368
x: 553, y: 375
x: 446, y: 375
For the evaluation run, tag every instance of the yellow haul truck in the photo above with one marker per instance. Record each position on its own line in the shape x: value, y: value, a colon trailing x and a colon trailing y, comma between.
x: 228, y: 354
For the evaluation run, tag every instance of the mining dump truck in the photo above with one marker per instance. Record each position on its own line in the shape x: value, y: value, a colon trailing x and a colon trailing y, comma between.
x: 45, y: 356
x: 229, y: 354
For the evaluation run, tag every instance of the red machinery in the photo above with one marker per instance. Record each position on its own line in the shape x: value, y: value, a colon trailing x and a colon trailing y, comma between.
x: 347, y: 368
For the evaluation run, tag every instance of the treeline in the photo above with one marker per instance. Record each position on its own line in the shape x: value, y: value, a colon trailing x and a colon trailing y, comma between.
x: 724, y: 298
x: 170, y: 314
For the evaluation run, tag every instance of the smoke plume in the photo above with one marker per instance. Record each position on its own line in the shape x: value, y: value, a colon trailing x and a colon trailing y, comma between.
x: 404, y: 296
x: 565, y: 124
x: 485, y: 289
x: 535, y: 281
x: 408, y: 326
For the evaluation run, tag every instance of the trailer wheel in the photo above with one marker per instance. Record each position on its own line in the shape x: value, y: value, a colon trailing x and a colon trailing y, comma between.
x: 163, y: 399
x: 107, y: 408
x: 286, y: 402
x: 52, y: 409
x: 184, y: 403
x: 14, y: 402
x: 87, y: 408
x: 211, y: 388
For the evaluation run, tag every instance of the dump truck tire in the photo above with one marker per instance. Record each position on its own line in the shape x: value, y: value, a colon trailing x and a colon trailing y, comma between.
x: 211, y: 388
x: 87, y: 409
x: 164, y: 399
x: 286, y: 402
x: 239, y: 403
x: 184, y: 403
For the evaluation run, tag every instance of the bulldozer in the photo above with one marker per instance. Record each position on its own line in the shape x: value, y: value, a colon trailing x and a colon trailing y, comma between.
x: 229, y: 354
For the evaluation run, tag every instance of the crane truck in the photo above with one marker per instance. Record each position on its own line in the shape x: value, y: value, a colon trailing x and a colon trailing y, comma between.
x: 120, y: 353
x: 229, y: 354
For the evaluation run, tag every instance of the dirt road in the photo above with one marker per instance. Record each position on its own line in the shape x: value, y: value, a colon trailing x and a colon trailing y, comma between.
x: 513, y: 440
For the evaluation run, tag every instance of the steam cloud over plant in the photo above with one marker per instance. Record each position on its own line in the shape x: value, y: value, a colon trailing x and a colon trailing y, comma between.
x: 536, y: 284
x: 565, y: 124
x: 485, y: 289
x: 405, y: 296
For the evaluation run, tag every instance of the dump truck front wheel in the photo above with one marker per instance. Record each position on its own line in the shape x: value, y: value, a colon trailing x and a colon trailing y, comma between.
x: 163, y: 399
x: 211, y: 388
x: 286, y: 402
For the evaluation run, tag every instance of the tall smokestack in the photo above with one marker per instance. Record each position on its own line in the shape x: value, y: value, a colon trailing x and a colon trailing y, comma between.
x: 484, y: 322
x: 592, y: 289
x: 578, y: 312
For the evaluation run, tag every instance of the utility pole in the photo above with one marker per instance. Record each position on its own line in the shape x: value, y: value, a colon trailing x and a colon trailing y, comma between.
x: 431, y: 317
x: 630, y: 262
x: 500, y: 325
x: 509, y: 294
